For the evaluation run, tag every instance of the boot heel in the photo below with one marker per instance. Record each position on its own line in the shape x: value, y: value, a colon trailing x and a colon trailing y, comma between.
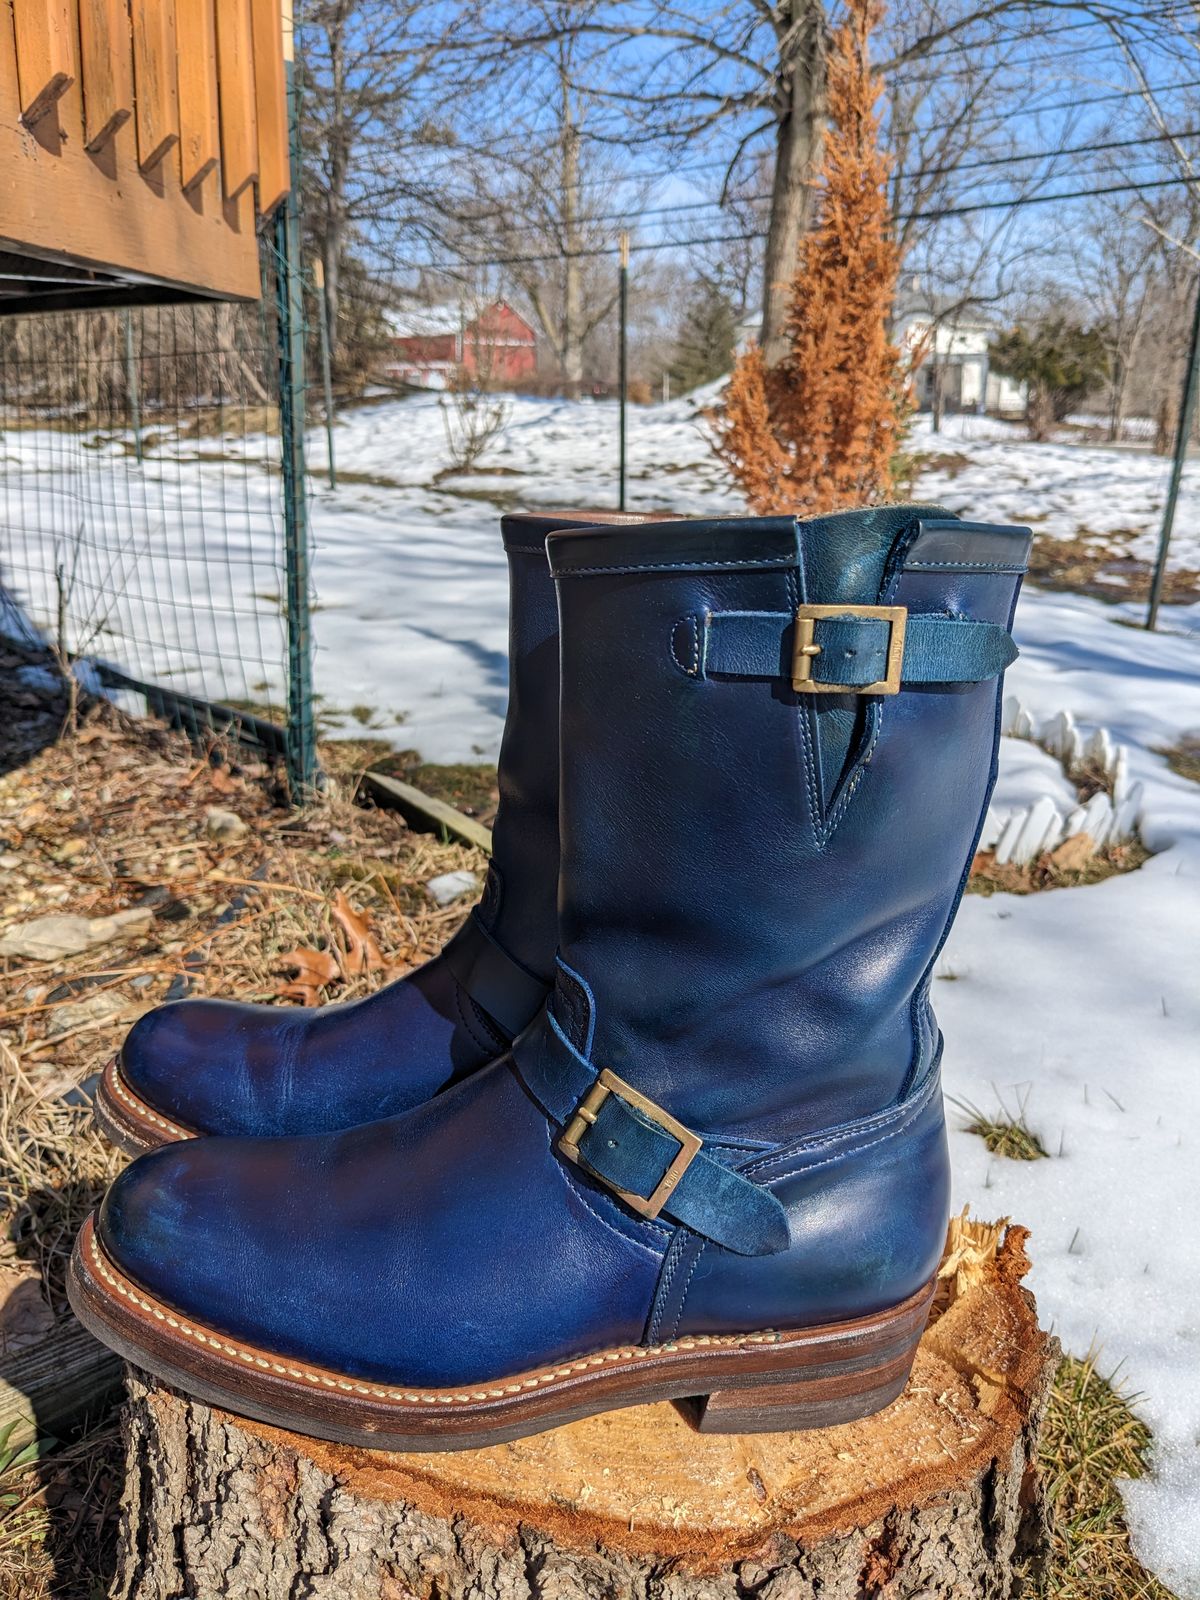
x: 848, y: 1379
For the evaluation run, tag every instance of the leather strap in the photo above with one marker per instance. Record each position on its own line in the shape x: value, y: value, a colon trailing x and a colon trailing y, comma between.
x: 488, y: 974
x: 632, y: 1154
x: 854, y: 650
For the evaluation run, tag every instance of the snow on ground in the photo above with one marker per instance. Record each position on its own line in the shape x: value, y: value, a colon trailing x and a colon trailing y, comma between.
x: 1080, y: 1005
x: 1063, y: 489
x: 410, y: 629
x: 405, y: 572
x: 1083, y: 1007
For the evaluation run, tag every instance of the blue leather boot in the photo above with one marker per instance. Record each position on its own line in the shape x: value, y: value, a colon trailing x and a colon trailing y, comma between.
x: 715, y: 1165
x: 219, y: 1066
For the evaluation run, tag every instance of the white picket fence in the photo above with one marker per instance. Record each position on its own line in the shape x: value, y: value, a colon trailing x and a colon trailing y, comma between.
x: 1110, y: 817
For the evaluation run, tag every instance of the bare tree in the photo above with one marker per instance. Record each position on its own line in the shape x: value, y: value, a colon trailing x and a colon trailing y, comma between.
x: 473, y: 417
x: 1172, y: 217
x: 744, y: 73
x: 547, y: 200
x: 965, y: 267
x: 1117, y: 268
x: 1170, y: 209
x: 373, y: 124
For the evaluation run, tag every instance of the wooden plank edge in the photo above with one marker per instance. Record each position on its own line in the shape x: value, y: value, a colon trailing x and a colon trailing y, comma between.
x: 423, y: 812
x: 48, y: 1385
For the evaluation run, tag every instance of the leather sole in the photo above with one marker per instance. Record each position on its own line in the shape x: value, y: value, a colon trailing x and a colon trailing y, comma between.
x: 125, y: 1119
x: 740, y: 1383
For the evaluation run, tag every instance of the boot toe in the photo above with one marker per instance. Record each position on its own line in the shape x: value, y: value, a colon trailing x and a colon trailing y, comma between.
x: 181, y: 1222
x: 193, y: 1061
x: 152, y: 1223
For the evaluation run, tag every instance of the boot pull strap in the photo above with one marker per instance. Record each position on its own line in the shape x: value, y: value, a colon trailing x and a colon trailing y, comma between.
x: 849, y: 649
x: 641, y: 1153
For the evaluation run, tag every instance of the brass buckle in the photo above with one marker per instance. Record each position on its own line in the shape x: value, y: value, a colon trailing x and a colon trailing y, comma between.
x: 805, y: 649
x: 585, y: 1114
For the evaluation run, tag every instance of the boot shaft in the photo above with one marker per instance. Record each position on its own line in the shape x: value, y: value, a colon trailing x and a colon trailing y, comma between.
x: 518, y: 907
x: 756, y: 878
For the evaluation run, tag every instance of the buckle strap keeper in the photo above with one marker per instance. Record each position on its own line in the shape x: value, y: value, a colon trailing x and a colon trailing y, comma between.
x: 851, y: 649
x: 641, y: 1153
x: 488, y: 974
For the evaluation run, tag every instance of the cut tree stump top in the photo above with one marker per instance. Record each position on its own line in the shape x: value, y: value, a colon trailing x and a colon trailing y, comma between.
x: 642, y: 1480
x: 937, y: 1495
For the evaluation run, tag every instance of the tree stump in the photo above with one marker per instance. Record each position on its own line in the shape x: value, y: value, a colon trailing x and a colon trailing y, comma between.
x: 936, y: 1496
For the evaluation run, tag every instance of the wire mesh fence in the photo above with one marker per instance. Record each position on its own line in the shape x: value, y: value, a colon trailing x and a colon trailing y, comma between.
x: 142, y: 503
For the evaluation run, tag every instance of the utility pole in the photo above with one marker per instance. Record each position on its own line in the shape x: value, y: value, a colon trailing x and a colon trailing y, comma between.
x: 623, y: 378
x: 326, y: 379
x: 1187, y: 412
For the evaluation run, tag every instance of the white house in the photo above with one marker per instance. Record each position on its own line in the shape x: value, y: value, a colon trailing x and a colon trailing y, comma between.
x: 954, y: 344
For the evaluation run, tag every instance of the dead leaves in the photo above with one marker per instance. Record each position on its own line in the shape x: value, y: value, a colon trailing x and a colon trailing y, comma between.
x: 362, y: 954
x: 313, y: 969
x: 355, y: 954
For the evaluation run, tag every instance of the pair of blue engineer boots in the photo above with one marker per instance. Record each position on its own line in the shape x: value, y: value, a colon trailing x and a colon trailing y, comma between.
x: 664, y: 1120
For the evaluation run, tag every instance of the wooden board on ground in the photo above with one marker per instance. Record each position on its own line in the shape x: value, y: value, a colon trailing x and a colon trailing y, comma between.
x: 936, y: 1496
x: 50, y: 1382
x: 423, y: 812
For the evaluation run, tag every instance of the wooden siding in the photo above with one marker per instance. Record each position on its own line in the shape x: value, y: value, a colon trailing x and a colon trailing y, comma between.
x: 138, y: 138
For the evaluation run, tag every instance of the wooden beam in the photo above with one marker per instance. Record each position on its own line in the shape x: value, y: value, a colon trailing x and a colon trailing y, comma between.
x: 199, y: 134
x: 45, y: 54
x: 106, y: 69
x: 270, y: 104
x: 48, y: 1385
x: 67, y: 207
x: 423, y: 812
x: 235, y: 77
x: 157, y: 99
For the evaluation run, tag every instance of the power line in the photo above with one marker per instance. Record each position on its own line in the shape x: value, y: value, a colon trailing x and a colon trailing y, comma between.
x: 1165, y: 13
x: 678, y: 208
x: 746, y: 235
x: 998, y: 120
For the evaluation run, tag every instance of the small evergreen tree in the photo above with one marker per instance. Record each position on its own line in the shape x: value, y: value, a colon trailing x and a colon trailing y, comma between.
x: 820, y: 430
x: 708, y: 337
x: 1061, y: 361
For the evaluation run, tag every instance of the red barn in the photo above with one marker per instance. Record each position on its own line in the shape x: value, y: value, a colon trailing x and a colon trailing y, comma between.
x: 430, y: 343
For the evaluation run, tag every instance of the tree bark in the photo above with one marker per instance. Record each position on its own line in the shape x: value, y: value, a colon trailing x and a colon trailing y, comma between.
x: 798, y: 142
x: 937, y: 1496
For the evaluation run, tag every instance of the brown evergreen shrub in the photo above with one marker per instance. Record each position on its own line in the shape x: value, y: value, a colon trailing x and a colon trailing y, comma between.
x: 820, y: 430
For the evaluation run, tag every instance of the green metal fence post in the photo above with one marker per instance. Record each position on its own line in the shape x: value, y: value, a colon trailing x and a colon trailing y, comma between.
x: 1187, y: 413
x: 623, y: 364
x: 326, y: 376
x: 132, y: 386
x: 303, y: 772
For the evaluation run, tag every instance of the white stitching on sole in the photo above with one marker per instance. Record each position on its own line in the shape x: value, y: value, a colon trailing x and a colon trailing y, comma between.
x: 112, y: 1080
x: 318, y: 1379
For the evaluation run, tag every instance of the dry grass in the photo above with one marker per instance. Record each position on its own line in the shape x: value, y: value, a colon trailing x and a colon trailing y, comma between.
x: 987, y: 878
x: 108, y: 821
x: 1005, y: 1135
x: 1183, y: 757
x: 1080, y: 566
x: 1091, y: 1438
